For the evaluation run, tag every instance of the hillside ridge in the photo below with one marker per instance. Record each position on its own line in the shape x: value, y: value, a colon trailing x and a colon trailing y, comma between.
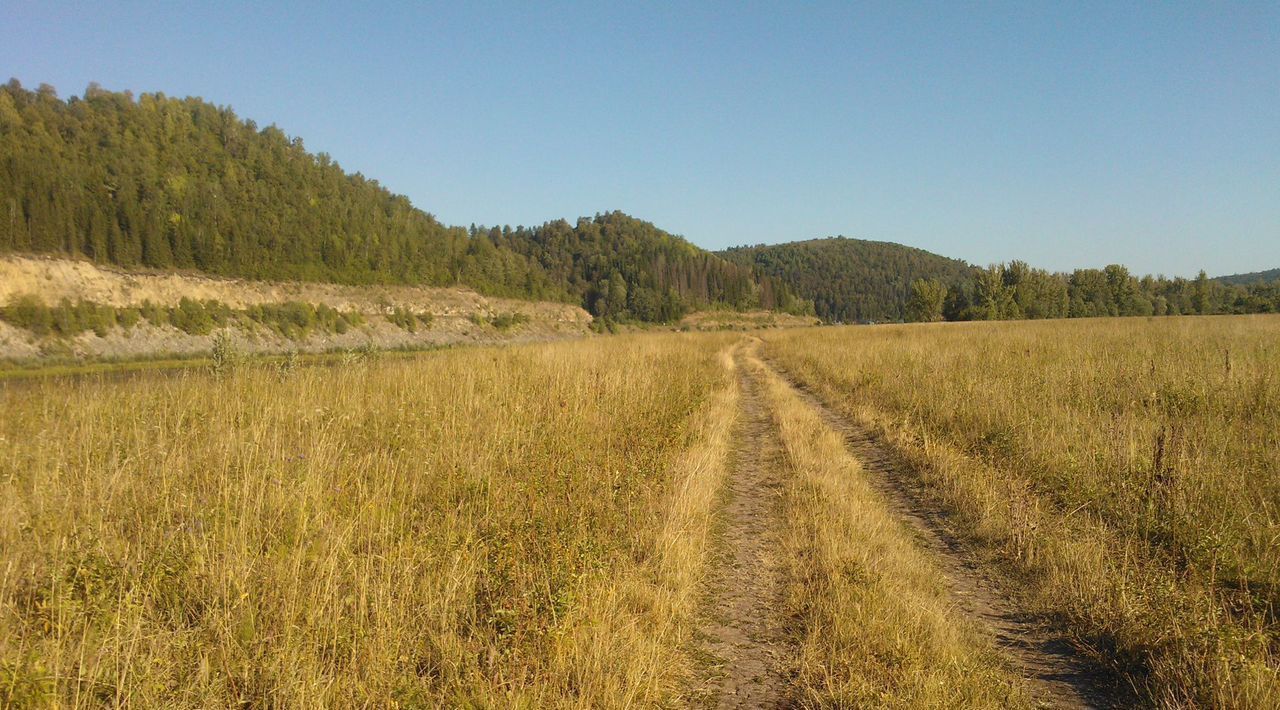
x: 1252, y: 277
x: 181, y: 184
x: 849, y: 279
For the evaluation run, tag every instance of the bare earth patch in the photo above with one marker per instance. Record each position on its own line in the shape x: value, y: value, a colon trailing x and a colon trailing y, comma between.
x: 453, y: 310
x: 745, y: 636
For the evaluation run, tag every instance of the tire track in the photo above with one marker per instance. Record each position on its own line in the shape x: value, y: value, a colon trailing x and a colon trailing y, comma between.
x: 1058, y: 675
x: 745, y: 635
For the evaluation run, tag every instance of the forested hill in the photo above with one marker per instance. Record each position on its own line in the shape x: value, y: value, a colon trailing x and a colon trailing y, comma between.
x: 181, y: 183
x: 851, y: 280
x: 1256, y: 277
x: 621, y: 266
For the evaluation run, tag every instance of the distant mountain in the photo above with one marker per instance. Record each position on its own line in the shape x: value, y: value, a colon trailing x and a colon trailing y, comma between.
x: 1256, y: 277
x: 166, y: 183
x: 851, y: 280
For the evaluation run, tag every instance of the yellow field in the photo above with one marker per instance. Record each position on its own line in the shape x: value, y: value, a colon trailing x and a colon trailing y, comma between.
x: 541, y: 526
x: 1128, y: 469
x: 481, y: 526
x: 876, y: 623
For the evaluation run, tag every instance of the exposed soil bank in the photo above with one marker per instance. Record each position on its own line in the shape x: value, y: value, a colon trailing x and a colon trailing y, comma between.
x: 454, y: 311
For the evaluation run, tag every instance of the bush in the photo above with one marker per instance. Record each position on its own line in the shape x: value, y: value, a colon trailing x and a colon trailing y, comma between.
x: 192, y: 317
x: 128, y: 317
x: 66, y: 319
x: 404, y: 318
x: 292, y: 319
x: 98, y: 318
x: 224, y: 355
x: 507, y: 321
x: 30, y: 313
x: 295, y: 320
x: 218, y: 312
x: 154, y: 314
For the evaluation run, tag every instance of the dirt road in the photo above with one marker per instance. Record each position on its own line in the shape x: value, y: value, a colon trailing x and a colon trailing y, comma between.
x: 745, y: 635
x: 750, y: 658
x: 1057, y: 674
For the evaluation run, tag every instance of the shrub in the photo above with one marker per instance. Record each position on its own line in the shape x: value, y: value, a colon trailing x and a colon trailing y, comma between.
x: 404, y: 318
x: 192, y: 317
x: 299, y: 317
x: 128, y: 317
x: 219, y: 313
x: 96, y: 317
x: 154, y: 314
x: 223, y: 354
x: 30, y: 313
x: 507, y: 321
x: 66, y: 319
x: 295, y: 320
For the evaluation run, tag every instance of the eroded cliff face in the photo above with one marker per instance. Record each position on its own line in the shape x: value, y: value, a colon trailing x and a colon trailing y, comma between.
x: 449, y: 315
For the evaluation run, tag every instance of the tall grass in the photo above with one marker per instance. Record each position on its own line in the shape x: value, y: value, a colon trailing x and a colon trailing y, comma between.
x: 876, y: 622
x: 1129, y: 468
x: 478, y: 527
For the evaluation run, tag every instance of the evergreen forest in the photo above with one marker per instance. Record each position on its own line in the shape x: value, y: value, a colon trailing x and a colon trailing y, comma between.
x: 162, y: 183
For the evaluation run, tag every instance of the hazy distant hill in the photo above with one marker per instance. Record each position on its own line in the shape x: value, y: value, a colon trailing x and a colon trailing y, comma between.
x: 1255, y: 277
x: 851, y: 279
x: 173, y: 183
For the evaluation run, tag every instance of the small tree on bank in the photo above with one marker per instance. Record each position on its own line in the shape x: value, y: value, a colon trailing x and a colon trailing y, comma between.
x: 925, y: 304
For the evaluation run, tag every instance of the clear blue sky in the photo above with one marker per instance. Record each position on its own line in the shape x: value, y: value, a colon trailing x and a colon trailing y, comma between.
x: 1066, y: 134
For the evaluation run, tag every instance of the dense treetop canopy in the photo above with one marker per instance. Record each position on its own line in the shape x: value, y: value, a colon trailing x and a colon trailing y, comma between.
x: 622, y: 265
x: 1255, y: 277
x: 166, y: 183
x: 851, y: 280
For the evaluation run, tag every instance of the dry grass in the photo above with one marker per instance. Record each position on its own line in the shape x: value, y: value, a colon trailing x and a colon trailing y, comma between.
x: 521, y: 527
x: 1130, y: 470
x: 877, y: 626
x: 749, y: 320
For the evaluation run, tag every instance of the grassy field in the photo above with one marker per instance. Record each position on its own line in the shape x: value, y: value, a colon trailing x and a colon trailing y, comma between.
x: 520, y: 526
x: 1127, y: 470
x: 876, y: 626
x: 540, y: 526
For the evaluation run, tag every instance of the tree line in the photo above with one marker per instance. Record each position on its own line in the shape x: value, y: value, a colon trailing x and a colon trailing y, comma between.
x: 168, y: 183
x: 850, y: 280
x: 626, y: 268
x: 1016, y: 290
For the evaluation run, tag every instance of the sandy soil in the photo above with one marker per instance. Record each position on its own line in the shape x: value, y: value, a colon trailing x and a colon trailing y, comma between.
x: 54, y: 279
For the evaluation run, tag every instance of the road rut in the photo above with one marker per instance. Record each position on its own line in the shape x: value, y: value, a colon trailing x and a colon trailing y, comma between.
x: 1057, y: 674
x: 746, y: 634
